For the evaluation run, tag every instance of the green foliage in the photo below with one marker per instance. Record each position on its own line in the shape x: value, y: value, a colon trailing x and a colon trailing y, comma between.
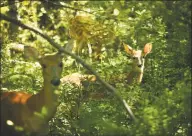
x: 161, y: 104
x: 168, y: 114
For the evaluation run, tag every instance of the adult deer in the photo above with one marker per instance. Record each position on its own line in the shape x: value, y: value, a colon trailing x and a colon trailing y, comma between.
x: 138, y: 61
x: 27, y: 114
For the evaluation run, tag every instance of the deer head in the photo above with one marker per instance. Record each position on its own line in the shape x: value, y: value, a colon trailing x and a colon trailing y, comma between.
x: 138, y: 61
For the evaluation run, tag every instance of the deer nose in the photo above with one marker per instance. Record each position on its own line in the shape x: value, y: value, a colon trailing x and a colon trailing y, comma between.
x: 55, y: 82
x: 139, y: 65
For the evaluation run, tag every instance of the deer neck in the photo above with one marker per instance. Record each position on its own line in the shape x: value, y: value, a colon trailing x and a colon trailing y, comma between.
x: 135, y: 76
x: 44, y: 101
x: 49, y: 94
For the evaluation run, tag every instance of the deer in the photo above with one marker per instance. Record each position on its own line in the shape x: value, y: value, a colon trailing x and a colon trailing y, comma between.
x: 28, y: 114
x: 138, y: 63
x: 77, y: 79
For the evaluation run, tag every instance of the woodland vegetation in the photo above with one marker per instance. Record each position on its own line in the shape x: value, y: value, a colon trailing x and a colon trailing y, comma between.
x: 94, y: 31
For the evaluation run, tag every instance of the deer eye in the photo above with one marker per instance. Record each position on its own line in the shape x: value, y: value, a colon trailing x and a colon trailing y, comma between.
x: 134, y: 57
x: 43, y: 66
x: 61, y: 64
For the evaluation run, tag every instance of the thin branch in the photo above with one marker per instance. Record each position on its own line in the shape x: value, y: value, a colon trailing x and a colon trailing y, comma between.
x: 61, y: 49
x: 72, y: 8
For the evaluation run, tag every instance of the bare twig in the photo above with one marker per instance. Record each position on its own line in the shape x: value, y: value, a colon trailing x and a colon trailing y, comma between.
x: 64, y: 6
x: 61, y: 49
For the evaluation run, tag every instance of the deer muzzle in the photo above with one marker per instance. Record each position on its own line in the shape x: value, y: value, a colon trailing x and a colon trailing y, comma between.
x: 55, y: 82
x: 139, y: 65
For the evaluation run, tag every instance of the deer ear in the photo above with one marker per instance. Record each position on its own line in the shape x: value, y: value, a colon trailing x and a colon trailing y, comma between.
x: 31, y: 53
x: 147, y: 48
x: 128, y: 48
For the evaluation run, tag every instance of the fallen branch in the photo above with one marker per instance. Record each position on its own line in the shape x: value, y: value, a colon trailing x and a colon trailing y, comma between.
x: 61, y: 49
